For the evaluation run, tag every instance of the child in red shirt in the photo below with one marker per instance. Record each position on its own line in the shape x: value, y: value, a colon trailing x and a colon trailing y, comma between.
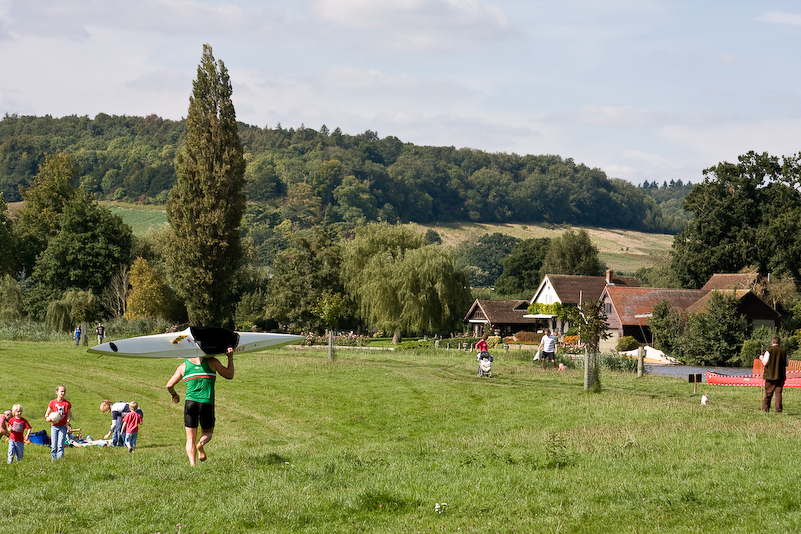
x: 130, y: 426
x: 62, y: 409
x: 19, y: 429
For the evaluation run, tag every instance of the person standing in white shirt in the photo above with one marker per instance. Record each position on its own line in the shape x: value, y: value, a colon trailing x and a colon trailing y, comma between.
x: 548, y: 348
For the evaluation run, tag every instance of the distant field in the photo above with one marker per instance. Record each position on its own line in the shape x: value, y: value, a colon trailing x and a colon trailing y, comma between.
x: 624, y: 251
x: 139, y: 217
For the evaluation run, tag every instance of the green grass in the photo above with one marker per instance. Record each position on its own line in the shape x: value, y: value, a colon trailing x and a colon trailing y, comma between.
x: 372, y: 441
x: 624, y: 251
x: 139, y: 217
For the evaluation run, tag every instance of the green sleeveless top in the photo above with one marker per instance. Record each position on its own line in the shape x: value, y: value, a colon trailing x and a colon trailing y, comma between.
x: 199, y: 380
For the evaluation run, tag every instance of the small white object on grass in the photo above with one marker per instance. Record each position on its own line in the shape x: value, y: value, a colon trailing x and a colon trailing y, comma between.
x: 704, y: 399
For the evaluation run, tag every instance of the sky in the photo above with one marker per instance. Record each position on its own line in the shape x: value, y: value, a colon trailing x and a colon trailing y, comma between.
x: 646, y: 90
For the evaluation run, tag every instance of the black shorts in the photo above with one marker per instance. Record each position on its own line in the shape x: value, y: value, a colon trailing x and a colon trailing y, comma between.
x: 199, y: 412
x: 548, y: 356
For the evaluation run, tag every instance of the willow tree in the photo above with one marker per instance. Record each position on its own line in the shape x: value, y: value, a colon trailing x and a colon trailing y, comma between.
x: 400, y: 284
x: 148, y: 296
x: 206, y: 204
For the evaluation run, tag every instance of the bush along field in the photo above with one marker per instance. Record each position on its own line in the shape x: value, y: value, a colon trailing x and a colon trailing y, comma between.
x: 401, y: 441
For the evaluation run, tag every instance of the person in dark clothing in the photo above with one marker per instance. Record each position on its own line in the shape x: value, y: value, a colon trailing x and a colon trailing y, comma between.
x: 775, y: 362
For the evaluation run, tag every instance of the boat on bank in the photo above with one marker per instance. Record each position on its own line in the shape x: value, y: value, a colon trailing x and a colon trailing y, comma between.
x: 652, y: 355
x: 754, y: 380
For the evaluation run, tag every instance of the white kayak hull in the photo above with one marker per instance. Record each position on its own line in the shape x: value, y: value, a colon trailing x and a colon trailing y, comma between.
x: 194, y: 342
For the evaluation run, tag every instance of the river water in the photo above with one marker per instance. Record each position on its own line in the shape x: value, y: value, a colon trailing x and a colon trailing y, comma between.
x: 682, y: 371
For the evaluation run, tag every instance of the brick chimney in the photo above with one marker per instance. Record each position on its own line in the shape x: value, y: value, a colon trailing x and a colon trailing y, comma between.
x: 609, y: 277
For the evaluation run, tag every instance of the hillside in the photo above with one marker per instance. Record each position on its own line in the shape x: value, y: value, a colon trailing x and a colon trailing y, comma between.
x: 624, y: 251
x: 353, y: 178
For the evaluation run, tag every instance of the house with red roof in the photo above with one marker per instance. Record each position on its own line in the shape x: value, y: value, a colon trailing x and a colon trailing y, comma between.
x: 731, y: 281
x: 628, y: 309
x: 571, y: 290
x: 505, y: 317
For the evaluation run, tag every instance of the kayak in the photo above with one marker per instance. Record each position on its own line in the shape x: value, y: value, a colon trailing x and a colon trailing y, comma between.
x: 194, y: 342
x: 793, y: 380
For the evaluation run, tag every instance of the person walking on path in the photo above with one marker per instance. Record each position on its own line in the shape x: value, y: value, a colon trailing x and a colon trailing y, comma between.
x: 199, y: 375
x: 548, y: 348
x: 775, y: 362
x: 101, y: 333
x: 482, y: 346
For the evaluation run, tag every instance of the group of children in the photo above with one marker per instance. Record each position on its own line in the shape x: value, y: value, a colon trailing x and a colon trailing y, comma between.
x: 125, y: 420
x: 59, y: 413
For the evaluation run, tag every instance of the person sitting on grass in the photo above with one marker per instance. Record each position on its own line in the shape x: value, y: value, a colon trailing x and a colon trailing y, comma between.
x: 4, y: 419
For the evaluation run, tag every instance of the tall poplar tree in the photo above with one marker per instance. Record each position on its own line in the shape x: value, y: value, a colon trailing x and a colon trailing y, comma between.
x: 206, y: 205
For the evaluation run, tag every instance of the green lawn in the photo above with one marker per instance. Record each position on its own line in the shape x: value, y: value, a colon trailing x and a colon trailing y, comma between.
x: 373, y: 441
x: 139, y: 217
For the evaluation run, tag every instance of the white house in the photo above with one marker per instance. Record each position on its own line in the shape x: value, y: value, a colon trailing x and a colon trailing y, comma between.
x: 570, y: 290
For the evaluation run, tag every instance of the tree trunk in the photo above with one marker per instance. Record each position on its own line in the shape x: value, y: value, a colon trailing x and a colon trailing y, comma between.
x: 331, y: 353
x: 397, y: 337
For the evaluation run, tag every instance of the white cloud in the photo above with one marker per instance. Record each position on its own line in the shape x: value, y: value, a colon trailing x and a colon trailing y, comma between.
x: 778, y: 17
x: 726, y: 141
x: 52, y: 19
x: 421, y: 24
x: 610, y: 116
x: 728, y: 59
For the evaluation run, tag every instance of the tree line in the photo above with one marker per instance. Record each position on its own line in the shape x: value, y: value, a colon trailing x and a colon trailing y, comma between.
x: 327, y: 175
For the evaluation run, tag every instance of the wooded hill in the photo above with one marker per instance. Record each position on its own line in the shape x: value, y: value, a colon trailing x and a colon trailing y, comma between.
x: 332, y: 176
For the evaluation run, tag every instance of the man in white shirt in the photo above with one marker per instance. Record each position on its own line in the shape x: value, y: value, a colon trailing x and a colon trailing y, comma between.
x: 548, y: 348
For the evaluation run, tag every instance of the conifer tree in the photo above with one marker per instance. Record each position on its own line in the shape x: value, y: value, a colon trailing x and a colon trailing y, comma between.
x: 206, y: 205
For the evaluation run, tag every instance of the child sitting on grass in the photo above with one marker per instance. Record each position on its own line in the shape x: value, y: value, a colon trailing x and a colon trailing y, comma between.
x: 130, y: 426
x: 19, y: 430
x: 4, y: 419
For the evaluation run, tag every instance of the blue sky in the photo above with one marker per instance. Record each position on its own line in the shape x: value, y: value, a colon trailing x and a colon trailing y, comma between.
x: 645, y: 90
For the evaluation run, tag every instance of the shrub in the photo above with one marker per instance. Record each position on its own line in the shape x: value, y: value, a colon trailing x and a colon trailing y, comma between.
x: 527, y: 337
x: 616, y: 362
x: 626, y: 343
x: 756, y: 345
x: 59, y: 317
x: 27, y: 330
x: 570, y: 341
x: 124, y: 328
x: 493, y: 341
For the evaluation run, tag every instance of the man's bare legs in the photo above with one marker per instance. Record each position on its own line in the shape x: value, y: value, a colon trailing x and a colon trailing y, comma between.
x: 205, y: 437
x: 197, y: 452
x: 191, y: 436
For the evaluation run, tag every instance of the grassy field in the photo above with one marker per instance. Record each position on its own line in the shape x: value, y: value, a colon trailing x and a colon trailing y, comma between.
x: 139, y: 217
x: 624, y: 251
x: 373, y: 441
